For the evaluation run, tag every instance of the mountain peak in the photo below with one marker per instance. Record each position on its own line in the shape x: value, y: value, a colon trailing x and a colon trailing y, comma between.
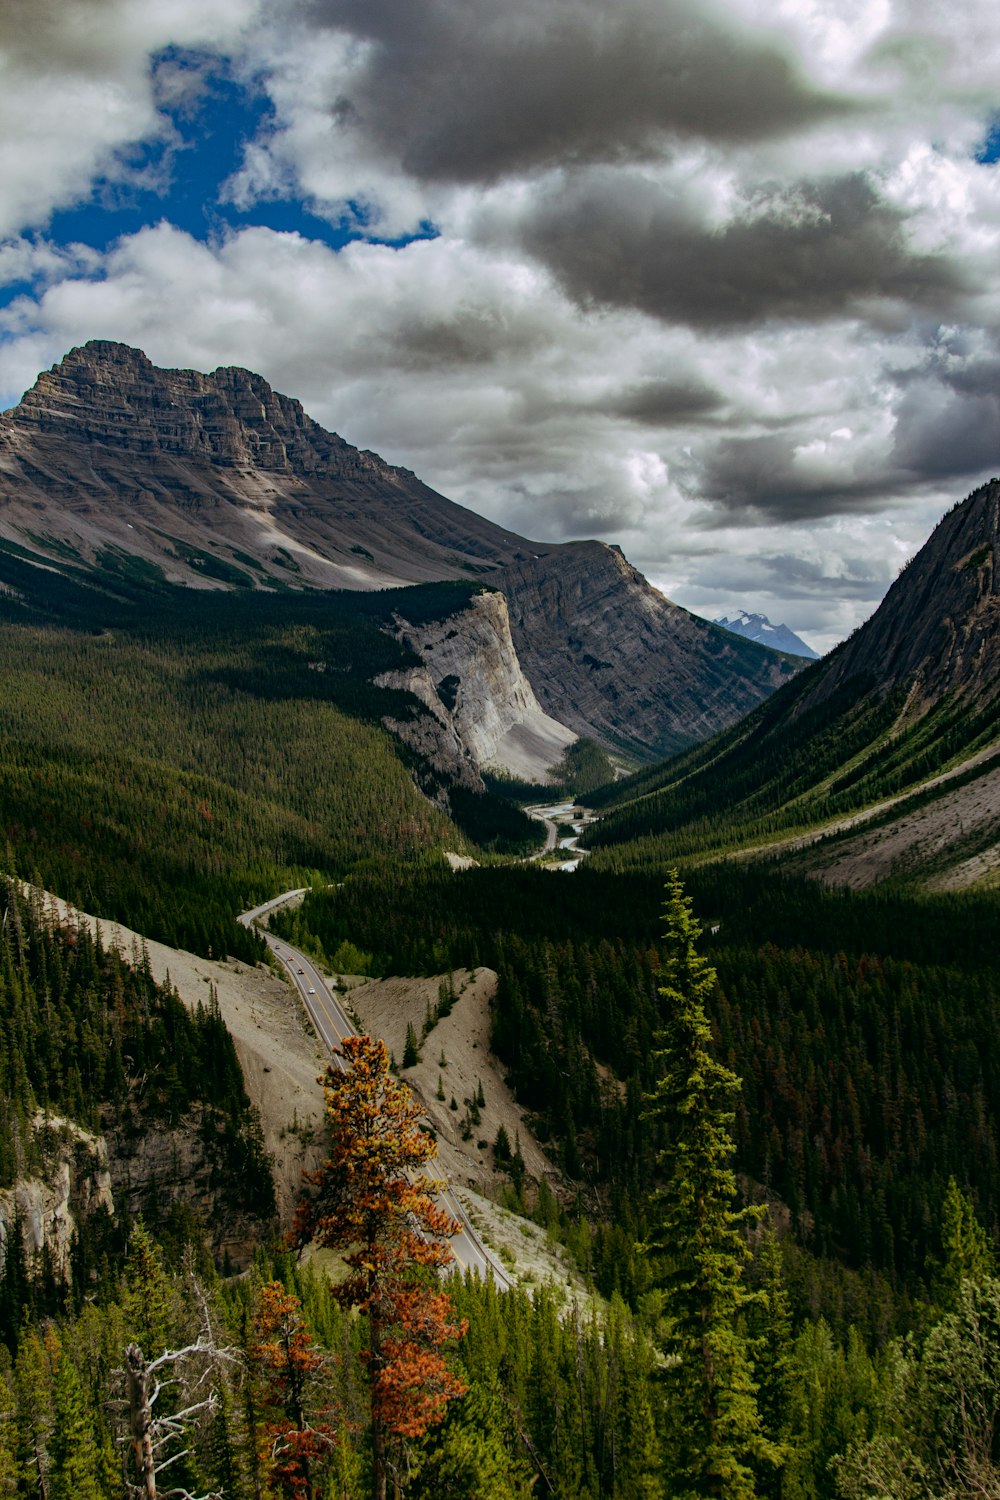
x: 109, y: 393
x: 219, y: 481
x: 757, y: 627
x: 936, y: 630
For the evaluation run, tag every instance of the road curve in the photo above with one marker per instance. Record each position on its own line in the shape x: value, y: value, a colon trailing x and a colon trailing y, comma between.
x: 331, y: 1025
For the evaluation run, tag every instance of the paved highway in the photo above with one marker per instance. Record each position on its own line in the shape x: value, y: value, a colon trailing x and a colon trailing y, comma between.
x: 332, y: 1025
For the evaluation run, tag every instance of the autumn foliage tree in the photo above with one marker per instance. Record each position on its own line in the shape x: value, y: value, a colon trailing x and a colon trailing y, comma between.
x: 297, y: 1438
x: 371, y: 1201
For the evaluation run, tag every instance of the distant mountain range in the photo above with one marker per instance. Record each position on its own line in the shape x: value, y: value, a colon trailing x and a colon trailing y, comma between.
x: 218, y: 482
x: 882, y: 760
x: 759, y: 628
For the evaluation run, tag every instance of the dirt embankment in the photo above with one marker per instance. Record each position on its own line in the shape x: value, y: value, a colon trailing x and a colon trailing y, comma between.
x: 281, y: 1059
x: 455, y: 1059
x: 283, y: 1064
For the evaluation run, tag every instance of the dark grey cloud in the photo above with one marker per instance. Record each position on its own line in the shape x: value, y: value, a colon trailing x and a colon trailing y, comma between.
x: 471, y: 91
x: 468, y: 336
x: 565, y: 514
x: 950, y: 426
x: 809, y: 251
x: 762, y: 476
x: 33, y: 31
x: 787, y: 576
x: 662, y: 403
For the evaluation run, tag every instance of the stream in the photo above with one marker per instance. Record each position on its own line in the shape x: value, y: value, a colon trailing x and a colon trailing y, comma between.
x: 564, y: 823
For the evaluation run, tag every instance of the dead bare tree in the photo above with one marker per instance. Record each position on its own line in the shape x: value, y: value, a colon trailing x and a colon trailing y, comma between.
x: 152, y: 1435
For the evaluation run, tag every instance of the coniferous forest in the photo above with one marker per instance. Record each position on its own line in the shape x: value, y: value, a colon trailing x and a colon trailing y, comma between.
x: 774, y: 1108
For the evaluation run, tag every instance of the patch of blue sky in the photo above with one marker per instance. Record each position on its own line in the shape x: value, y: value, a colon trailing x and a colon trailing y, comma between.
x: 178, y: 178
x: 989, y: 151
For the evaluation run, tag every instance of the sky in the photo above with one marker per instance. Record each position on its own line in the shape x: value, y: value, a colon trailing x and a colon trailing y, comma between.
x: 716, y: 282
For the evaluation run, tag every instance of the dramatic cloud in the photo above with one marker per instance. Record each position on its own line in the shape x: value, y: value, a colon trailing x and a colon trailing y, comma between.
x: 469, y: 91
x: 716, y: 282
x: 809, y: 251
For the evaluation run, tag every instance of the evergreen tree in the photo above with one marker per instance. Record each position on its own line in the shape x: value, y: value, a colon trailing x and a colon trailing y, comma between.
x: 77, y: 1460
x: 966, y: 1253
x: 33, y: 1387
x: 769, y: 1323
x: 411, y: 1052
x: 146, y: 1292
x: 698, y: 1241
x: 466, y: 1459
x: 298, y: 1440
x: 8, y: 1438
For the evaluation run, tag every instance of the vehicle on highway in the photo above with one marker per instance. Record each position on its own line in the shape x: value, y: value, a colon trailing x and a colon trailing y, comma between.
x: 312, y: 992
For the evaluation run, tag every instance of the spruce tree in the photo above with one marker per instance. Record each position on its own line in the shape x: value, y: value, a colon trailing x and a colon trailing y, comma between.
x: 966, y: 1253
x: 698, y: 1240
x: 75, y: 1454
x: 374, y: 1205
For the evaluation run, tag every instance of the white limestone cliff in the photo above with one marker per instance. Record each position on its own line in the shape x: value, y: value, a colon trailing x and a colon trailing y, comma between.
x: 471, y: 682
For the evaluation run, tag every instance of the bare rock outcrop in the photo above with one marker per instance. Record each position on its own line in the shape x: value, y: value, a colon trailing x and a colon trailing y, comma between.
x: 72, y: 1181
x: 472, y: 685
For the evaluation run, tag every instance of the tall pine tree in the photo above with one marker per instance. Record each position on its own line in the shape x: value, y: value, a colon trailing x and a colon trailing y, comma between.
x: 698, y: 1244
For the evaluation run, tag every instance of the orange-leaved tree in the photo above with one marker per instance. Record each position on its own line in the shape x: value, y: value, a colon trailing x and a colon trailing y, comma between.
x: 298, y: 1440
x: 371, y: 1201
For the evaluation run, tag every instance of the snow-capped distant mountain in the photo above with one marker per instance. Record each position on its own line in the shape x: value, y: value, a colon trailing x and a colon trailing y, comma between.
x: 759, y: 628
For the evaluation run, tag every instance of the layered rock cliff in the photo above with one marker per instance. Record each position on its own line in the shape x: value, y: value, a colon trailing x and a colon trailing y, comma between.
x: 613, y: 658
x: 108, y: 451
x: 473, y: 687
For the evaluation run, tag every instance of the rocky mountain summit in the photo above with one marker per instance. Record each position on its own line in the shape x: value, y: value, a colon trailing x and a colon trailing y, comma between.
x: 756, y: 627
x: 217, y: 481
x: 108, y: 452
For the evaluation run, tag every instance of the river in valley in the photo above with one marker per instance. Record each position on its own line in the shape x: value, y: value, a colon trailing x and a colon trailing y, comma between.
x: 564, y: 824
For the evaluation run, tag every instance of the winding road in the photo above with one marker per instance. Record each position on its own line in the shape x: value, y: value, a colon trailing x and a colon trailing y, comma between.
x: 557, y: 817
x: 331, y: 1025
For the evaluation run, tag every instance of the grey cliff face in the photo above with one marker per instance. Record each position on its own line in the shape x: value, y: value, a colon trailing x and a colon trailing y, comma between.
x: 125, y: 1168
x: 612, y: 657
x: 473, y: 687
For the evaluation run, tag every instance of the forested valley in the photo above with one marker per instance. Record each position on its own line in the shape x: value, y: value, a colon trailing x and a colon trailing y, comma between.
x: 789, y: 1244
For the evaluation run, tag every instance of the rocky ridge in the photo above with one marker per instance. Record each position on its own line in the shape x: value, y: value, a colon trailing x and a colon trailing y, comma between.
x: 217, y: 481
x: 936, y: 631
x: 106, y: 451
x: 886, y: 752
